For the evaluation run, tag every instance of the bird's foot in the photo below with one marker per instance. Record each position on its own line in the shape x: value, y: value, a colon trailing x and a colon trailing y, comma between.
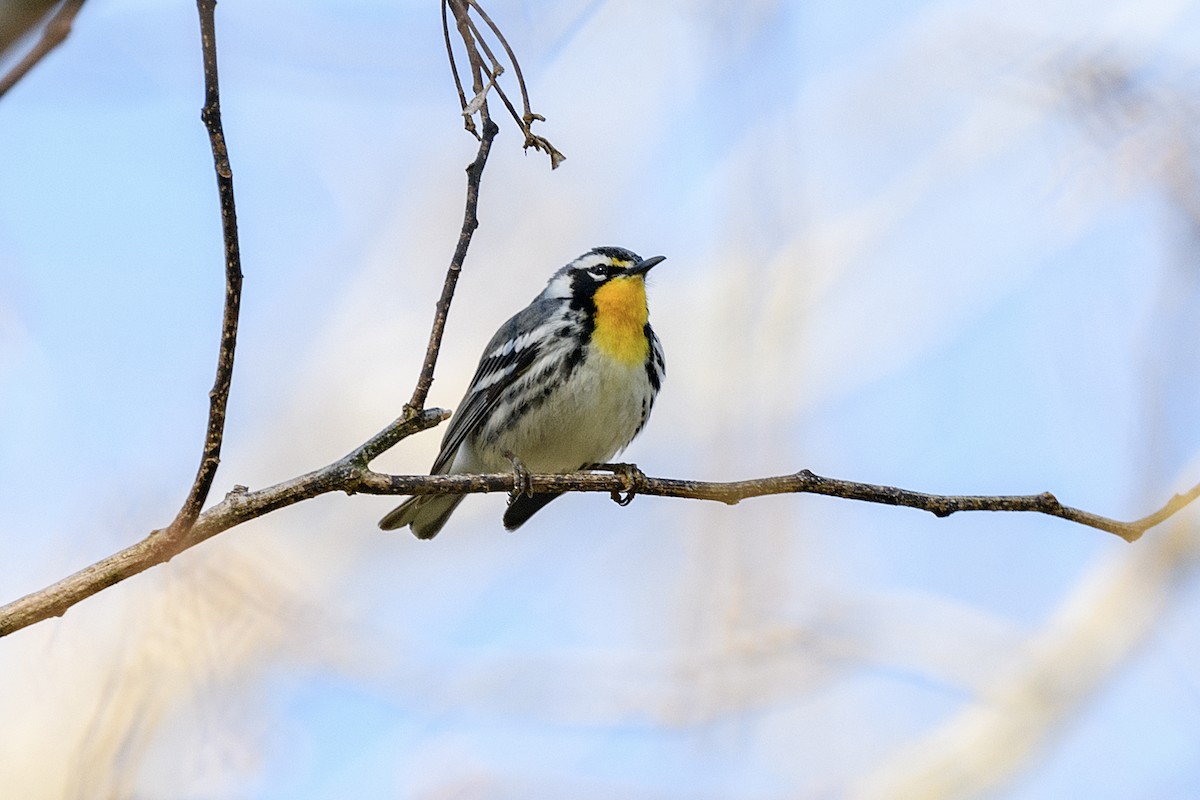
x: 522, y: 482
x: 631, y: 477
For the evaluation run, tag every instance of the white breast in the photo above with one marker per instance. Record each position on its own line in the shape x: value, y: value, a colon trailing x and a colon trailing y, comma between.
x: 589, y: 418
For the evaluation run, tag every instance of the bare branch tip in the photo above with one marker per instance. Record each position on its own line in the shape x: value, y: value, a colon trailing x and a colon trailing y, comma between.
x: 1185, y: 498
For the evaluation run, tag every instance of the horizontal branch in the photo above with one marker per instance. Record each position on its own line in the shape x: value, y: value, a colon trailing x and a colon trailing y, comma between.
x: 352, y: 475
x: 802, y: 482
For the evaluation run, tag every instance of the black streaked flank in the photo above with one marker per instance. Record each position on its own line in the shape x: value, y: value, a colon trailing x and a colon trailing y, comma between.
x: 653, y: 363
x: 573, y: 359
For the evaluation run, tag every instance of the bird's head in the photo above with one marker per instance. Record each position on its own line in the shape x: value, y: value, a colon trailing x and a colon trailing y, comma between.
x: 612, y: 271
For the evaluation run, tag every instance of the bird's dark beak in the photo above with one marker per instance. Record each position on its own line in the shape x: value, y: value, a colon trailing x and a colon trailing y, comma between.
x: 644, y: 266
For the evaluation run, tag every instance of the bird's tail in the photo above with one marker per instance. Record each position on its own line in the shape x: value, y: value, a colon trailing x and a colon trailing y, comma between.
x: 524, y: 507
x: 425, y: 514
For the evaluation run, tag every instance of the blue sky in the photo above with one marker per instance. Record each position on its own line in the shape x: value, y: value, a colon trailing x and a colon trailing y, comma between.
x: 896, y: 254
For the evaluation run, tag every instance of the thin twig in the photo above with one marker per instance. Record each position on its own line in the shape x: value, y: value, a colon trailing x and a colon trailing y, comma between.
x: 474, y: 39
x: 218, y: 397
x: 442, y: 310
x: 527, y: 117
x: 470, y: 211
x: 495, y: 67
x: 477, y: 102
x: 512, y: 57
x: 463, y: 23
x: 55, y: 33
x: 468, y: 119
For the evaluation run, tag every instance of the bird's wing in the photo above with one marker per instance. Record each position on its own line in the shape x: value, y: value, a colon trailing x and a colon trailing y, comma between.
x: 508, y: 356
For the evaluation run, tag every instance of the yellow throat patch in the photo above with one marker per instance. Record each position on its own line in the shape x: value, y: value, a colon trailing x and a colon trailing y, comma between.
x: 621, y: 316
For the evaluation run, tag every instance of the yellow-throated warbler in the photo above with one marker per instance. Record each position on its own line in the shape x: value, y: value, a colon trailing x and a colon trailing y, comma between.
x: 567, y: 382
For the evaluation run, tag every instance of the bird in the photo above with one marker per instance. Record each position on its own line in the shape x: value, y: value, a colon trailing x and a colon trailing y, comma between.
x: 566, y: 383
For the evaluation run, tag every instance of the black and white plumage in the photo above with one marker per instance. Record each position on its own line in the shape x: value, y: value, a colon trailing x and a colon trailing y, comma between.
x: 568, y: 381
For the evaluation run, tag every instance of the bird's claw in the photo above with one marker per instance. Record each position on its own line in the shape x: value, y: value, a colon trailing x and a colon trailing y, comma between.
x: 522, y: 482
x: 631, y: 478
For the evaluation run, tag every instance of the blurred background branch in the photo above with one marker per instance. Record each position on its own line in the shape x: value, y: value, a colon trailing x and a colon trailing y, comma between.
x: 18, y: 18
x: 1148, y: 129
x: 1040, y: 689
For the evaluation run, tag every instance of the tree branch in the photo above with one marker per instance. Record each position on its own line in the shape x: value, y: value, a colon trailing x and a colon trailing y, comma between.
x: 55, y: 33
x: 802, y: 482
x: 352, y: 475
x: 218, y: 396
x: 238, y: 506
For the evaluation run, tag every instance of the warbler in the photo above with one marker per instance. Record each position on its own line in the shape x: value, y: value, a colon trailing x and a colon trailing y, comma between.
x: 568, y: 381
